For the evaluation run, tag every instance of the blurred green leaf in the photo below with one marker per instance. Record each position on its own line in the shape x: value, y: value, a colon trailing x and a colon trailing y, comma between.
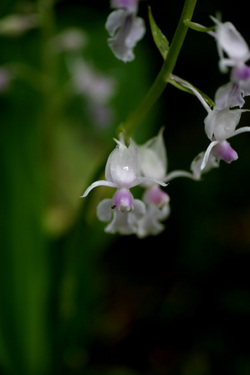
x: 25, y: 258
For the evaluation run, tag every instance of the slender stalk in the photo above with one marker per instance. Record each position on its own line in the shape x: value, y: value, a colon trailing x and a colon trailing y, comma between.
x: 160, y: 82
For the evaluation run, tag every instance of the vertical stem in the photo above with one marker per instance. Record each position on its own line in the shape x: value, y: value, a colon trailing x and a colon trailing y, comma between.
x: 160, y: 82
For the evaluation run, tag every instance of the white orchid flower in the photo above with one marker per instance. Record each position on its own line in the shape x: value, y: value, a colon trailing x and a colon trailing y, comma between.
x: 123, y: 173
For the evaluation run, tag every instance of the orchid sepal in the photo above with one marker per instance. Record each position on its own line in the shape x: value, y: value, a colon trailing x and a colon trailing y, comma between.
x: 98, y: 183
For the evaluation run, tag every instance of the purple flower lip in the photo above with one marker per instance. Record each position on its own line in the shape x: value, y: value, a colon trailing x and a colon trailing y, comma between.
x: 123, y: 200
x: 156, y: 196
x: 241, y: 73
x: 223, y: 151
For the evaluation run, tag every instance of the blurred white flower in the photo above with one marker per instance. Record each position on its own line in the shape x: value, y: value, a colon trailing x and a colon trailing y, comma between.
x: 230, y: 41
x: 95, y: 87
x: 15, y: 25
x: 69, y: 40
x: 125, y: 29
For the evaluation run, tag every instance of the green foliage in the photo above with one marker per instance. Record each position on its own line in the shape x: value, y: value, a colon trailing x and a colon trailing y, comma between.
x: 160, y: 39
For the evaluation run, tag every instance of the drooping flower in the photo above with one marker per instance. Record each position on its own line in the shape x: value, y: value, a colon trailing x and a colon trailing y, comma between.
x: 71, y: 40
x: 231, y: 43
x: 125, y: 28
x: 220, y: 125
x: 123, y: 173
x: 153, y: 163
x: 95, y: 87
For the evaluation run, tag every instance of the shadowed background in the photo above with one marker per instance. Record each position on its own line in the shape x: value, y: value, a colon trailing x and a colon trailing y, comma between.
x: 73, y: 299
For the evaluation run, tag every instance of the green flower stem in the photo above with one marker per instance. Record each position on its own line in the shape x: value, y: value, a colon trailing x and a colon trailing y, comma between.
x: 161, y: 80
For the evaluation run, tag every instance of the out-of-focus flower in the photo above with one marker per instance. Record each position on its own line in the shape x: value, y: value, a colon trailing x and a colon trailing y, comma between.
x: 122, y: 172
x: 230, y: 42
x: 15, y: 25
x: 96, y: 88
x: 90, y: 82
x: 125, y: 28
x: 69, y: 40
x: 220, y: 125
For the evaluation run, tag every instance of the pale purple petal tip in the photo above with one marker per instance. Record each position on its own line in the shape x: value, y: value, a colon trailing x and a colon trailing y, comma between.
x: 223, y: 151
x: 129, y: 5
x: 123, y: 200
x: 241, y: 73
x: 156, y: 196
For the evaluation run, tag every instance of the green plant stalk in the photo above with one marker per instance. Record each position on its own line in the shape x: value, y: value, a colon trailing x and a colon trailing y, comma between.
x: 167, y: 68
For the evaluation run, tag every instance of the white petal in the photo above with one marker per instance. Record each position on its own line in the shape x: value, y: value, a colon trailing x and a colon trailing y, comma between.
x: 231, y: 41
x: 207, y: 154
x: 104, y: 211
x: 136, y: 33
x: 221, y: 123
x: 139, y: 208
x: 150, y: 224
x: 179, y: 173
x: 153, y: 157
x: 210, y: 123
x: 125, y: 30
x: 227, y: 122
x: 95, y: 184
x: 228, y: 95
x: 120, y: 224
x: 123, y: 165
x: 245, y: 87
x: 244, y: 129
x: 196, y: 165
x: 151, y: 164
x: 115, y: 20
x: 143, y: 180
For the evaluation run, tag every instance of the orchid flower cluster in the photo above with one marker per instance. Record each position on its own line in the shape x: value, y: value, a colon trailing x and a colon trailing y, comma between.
x: 146, y: 165
x: 222, y: 120
x: 130, y: 166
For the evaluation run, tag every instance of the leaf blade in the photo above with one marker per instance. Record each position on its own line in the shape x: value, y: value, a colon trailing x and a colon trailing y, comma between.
x: 160, y: 39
